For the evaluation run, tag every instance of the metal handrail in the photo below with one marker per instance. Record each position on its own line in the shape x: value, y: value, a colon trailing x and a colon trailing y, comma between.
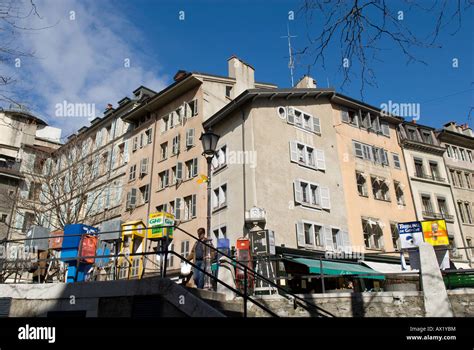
x: 273, y: 284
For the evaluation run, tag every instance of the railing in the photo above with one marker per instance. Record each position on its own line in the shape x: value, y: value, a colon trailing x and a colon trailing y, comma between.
x: 433, y: 215
x: 430, y: 177
x: 248, y: 272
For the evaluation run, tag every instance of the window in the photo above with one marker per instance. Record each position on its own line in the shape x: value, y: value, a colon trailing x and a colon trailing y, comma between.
x: 455, y: 153
x: 419, y: 168
x: 311, y: 194
x: 164, y: 123
x: 191, y: 168
x: 427, y: 138
x: 193, y: 109
x: 28, y: 221
x: 350, y: 117
x: 189, y: 207
x: 185, y: 248
x: 412, y: 134
x: 443, y: 207
x: 303, y: 120
x: 177, y: 207
x: 170, y: 256
x: 173, y: 176
x: 143, y: 167
x: 307, y: 156
x: 453, y: 177
x: 310, y: 235
x: 469, y: 155
x: 3, y: 218
x: 426, y: 204
x: 380, y: 155
x: 135, y: 144
x: 164, y: 150
x: 395, y: 236
x: 396, y: 161
x: 228, y: 91
x: 467, y: 207
x: 131, y: 198
x: 460, y: 180
x: 461, y: 212
x: 133, y: 171
x: 220, y: 159
x: 121, y: 154
x: 164, y: 179
x: 149, y: 136
x: 34, y: 192
x: 220, y: 232
x: 380, y: 189
x: 145, y: 193
x: 335, y: 238
x: 373, y: 234
x: 463, y: 154
x: 103, y: 163
x: 365, y: 120
x: 449, y: 151
x: 434, y: 171
x: 175, y: 149
x: 385, y: 128
x: 190, y: 138
x: 219, y: 197
x: 399, y: 193
x: 162, y: 208
x: 361, y: 185
x: 468, y: 180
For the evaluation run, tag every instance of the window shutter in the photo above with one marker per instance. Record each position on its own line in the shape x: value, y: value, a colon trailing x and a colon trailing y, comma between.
x: 179, y: 171
x: 177, y: 144
x: 376, y: 125
x: 107, y: 197
x: 118, y: 193
x: 189, y: 137
x: 113, y: 157
x: 133, y: 197
x: 345, y: 116
x: 328, y: 238
x: 320, y: 159
x: 193, y: 205
x: 142, y: 140
x: 125, y: 152
x: 294, y: 151
x: 195, y: 109
x: 358, y: 150
x: 187, y: 110
x: 177, y: 208
x: 150, y: 135
x: 384, y: 157
x: 298, y: 192
x: 325, y: 198
x: 291, y: 115
x: 346, y: 243
x: 128, y: 204
x: 338, y: 239
x: 316, y: 125
x: 385, y: 128
x: 167, y: 178
x: 195, y: 167
x: 300, y: 234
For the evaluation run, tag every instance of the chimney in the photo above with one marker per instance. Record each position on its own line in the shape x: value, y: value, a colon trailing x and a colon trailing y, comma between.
x: 243, y: 73
x: 413, y: 121
x: 180, y: 75
x: 109, y: 106
x: 306, y: 83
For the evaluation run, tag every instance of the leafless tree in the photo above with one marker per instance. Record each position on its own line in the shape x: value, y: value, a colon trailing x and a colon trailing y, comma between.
x: 361, y: 29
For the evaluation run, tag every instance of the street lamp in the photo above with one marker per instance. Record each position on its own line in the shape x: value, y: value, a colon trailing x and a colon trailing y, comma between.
x: 209, y: 144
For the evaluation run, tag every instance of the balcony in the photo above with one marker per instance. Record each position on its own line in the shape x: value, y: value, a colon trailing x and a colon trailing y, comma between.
x: 10, y: 168
x: 430, y: 177
x: 433, y: 215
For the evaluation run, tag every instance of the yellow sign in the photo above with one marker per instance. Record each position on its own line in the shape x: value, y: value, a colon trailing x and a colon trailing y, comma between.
x: 435, y: 232
x: 156, y: 222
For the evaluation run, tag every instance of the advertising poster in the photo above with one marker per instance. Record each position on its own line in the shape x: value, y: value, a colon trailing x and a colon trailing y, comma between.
x: 411, y: 234
x: 435, y: 232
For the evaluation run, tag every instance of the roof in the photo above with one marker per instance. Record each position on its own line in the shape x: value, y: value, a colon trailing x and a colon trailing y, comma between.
x: 251, y: 94
x: 229, y: 78
x: 24, y: 114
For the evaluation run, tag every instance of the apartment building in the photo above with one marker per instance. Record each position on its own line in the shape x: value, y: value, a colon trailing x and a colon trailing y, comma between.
x: 459, y: 159
x: 26, y: 141
x: 277, y: 152
x: 376, y: 188
x: 426, y: 170
x: 166, y: 159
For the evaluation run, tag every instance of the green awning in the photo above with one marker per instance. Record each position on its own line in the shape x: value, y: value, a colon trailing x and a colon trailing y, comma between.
x: 338, y: 268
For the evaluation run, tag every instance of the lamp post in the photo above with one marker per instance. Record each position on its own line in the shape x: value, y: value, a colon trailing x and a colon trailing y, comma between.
x: 209, y: 144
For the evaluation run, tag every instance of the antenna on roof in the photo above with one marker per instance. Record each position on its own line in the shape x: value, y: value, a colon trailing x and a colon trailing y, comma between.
x: 291, y: 62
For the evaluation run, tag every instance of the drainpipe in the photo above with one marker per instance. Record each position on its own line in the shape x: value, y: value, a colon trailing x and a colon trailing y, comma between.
x: 244, y: 185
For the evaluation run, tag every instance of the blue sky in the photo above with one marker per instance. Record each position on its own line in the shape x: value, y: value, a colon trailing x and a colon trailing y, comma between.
x: 82, y: 60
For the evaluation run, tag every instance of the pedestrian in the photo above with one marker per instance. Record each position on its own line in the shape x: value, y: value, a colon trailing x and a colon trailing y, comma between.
x: 197, y: 256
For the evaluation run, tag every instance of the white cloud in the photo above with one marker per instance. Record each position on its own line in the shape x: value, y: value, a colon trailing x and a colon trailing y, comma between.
x: 80, y: 58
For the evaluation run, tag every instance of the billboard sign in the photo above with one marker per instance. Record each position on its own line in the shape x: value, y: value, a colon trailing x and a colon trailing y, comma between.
x: 435, y: 232
x: 411, y: 234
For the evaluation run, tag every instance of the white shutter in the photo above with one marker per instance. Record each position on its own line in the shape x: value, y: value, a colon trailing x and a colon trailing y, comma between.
x: 144, y: 166
x: 195, y: 167
x: 125, y: 151
x: 291, y: 115
x: 133, y: 197
x: 298, y: 191
x: 113, y: 152
x: 187, y: 110
x: 316, y: 125
x: 325, y: 198
x: 189, y: 137
x: 376, y: 125
x: 345, y: 116
x: 385, y: 128
x: 300, y: 234
x: 346, y: 243
x: 358, y: 150
x: 294, y: 151
x: 320, y: 159
x: 19, y: 219
x: 118, y: 193
x: 328, y: 238
x: 179, y: 171
x: 193, y: 205
x: 338, y: 239
x: 177, y: 208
